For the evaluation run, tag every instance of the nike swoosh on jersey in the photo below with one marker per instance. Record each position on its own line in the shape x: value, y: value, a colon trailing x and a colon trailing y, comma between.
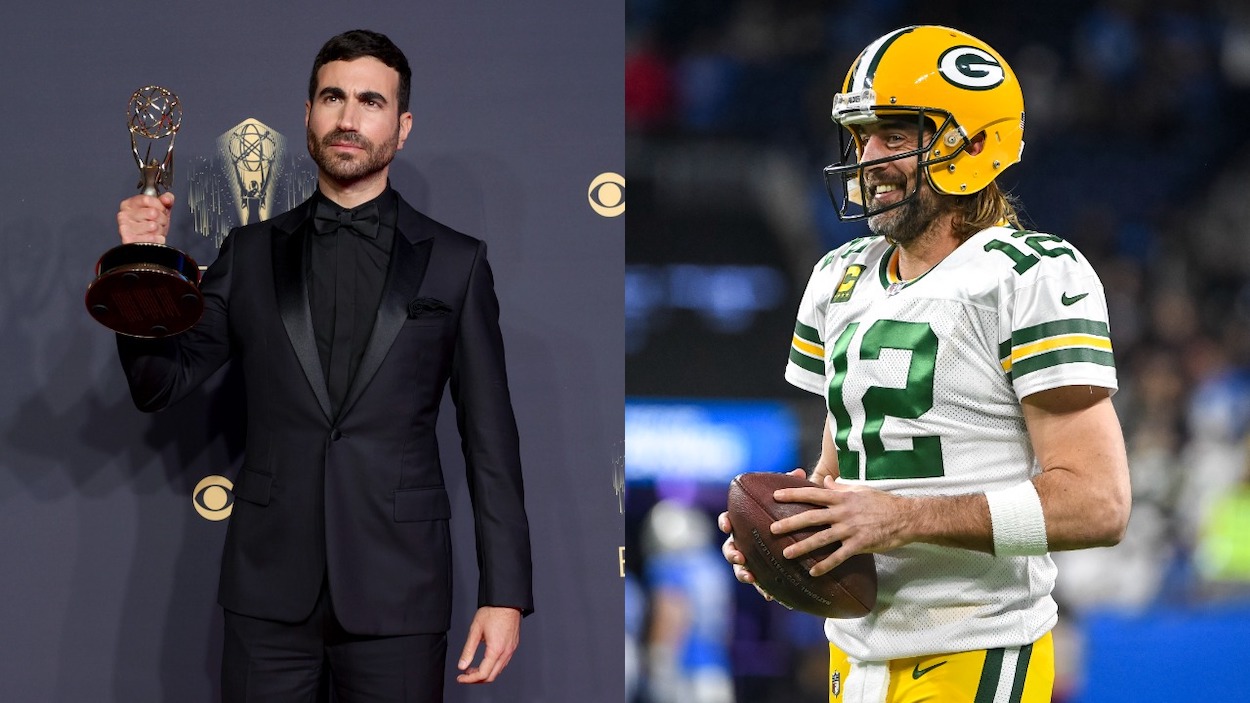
x: 918, y: 672
x: 1068, y: 300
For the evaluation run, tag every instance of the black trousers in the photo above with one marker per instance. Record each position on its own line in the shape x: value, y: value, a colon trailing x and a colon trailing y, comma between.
x: 317, y: 661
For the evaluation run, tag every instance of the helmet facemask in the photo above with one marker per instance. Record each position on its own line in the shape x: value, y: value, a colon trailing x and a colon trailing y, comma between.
x: 958, y: 84
x: 846, y: 181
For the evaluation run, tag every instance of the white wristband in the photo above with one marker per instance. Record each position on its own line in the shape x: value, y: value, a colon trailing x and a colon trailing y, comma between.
x: 1017, y: 521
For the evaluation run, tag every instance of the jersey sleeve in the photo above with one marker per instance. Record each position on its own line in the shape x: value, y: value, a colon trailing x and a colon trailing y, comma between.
x: 806, y: 366
x: 1053, y: 324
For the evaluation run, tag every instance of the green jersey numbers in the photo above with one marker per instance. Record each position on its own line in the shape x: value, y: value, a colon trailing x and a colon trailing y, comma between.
x: 1039, y: 243
x: 923, y: 386
x: 924, y: 459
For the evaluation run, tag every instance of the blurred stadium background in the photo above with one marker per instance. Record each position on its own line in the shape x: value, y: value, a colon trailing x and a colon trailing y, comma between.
x: 1138, y: 152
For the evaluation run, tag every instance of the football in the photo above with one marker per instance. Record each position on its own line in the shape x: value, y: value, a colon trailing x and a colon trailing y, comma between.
x: 849, y: 591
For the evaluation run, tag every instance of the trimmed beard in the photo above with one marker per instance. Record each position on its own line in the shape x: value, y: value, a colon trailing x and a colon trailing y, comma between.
x: 343, y: 167
x: 905, y: 223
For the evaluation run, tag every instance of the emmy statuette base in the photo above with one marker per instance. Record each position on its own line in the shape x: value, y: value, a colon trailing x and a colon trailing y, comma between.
x: 146, y: 290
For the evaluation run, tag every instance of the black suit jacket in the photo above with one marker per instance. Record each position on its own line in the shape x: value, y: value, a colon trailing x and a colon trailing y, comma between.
x: 358, y: 498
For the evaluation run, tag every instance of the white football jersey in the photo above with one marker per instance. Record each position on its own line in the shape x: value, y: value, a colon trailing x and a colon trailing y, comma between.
x: 923, y: 381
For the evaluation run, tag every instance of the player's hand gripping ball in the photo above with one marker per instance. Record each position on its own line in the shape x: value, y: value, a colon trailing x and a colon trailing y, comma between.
x: 849, y: 591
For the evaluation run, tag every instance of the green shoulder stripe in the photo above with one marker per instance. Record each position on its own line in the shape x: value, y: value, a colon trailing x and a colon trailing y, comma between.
x: 1061, y: 356
x: 1058, y: 327
x: 807, y: 334
x: 806, y: 362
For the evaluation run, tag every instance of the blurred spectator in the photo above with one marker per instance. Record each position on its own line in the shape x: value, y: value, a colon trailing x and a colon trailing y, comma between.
x: 1223, y: 551
x: 687, y: 659
x: 635, y: 617
x: 649, y: 96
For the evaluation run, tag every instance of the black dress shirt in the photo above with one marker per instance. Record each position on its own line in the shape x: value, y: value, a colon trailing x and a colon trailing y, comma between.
x: 346, y: 273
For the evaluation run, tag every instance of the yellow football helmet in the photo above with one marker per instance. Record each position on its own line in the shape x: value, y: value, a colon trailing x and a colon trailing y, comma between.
x: 955, y: 87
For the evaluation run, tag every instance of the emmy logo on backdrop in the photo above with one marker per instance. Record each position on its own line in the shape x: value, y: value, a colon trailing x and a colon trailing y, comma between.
x: 252, y: 149
x: 146, y: 289
x: 249, y: 176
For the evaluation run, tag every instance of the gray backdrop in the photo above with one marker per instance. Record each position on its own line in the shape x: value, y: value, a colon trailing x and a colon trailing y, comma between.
x: 107, y: 572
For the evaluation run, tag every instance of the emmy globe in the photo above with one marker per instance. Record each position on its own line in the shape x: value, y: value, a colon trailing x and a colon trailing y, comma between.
x: 146, y: 289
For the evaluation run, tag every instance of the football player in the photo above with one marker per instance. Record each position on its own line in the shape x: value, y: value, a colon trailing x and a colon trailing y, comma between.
x: 967, y: 369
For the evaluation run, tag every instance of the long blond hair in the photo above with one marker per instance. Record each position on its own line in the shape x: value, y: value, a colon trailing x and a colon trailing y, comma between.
x: 987, y: 207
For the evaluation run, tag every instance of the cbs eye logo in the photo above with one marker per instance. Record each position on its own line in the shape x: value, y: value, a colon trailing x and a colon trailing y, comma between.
x: 607, y: 194
x: 213, y: 498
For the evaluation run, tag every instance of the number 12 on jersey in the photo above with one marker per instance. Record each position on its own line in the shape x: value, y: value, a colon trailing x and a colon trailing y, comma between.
x: 924, y: 459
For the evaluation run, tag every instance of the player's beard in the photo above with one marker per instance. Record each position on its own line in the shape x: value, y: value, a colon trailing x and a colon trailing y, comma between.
x: 905, y: 223
x: 343, y: 167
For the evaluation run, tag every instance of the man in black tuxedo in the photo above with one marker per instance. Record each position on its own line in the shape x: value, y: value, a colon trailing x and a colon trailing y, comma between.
x: 349, y: 315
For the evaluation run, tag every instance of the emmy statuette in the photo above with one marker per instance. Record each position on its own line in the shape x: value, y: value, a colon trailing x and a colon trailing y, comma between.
x: 146, y: 289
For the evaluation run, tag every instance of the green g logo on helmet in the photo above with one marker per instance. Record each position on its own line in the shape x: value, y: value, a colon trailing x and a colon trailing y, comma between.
x: 971, y: 68
x: 954, y: 88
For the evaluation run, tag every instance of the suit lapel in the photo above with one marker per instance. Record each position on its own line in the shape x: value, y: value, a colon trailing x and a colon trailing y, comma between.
x: 410, y: 256
x: 290, y: 282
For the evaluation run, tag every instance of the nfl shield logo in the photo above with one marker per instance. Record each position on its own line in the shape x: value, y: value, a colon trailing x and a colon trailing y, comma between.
x: 835, y: 684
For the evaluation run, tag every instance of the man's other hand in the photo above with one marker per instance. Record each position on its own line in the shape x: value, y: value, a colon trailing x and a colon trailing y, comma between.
x: 500, y: 630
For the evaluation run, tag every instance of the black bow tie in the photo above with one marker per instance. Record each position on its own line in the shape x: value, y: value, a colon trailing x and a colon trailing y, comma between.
x: 362, y: 220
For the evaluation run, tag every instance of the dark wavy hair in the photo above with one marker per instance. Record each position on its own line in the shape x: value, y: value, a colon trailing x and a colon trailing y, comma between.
x: 362, y: 42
